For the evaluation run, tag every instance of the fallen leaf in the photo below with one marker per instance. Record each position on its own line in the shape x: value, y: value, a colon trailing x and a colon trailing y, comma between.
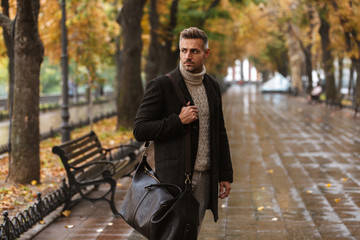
x: 33, y: 182
x: 69, y: 226
x: 260, y: 208
x: 308, y: 191
x: 270, y: 171
x: 66, y: 213
x: 344, y: 179
x: 274, y: 219
x: 337, y: 200
x: 328, y: 185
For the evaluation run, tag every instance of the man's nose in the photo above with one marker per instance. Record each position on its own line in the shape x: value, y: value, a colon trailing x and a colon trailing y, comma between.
x: 188, y: 55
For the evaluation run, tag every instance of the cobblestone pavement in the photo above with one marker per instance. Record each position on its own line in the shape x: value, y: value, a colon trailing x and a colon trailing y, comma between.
x: 296, y: 176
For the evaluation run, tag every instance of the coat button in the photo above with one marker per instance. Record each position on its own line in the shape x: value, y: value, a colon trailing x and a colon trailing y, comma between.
x: 194, y: 127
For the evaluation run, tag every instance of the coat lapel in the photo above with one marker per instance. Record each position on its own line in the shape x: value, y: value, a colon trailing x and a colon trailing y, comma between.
x: 177, y: 75
x: 210, y: 92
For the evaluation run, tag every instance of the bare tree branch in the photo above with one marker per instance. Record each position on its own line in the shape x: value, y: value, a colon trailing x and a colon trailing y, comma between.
x: 213, y: 4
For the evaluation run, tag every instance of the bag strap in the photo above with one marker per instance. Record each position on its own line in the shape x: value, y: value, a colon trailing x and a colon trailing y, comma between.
x: 187, y: 133
x: 187, y: 130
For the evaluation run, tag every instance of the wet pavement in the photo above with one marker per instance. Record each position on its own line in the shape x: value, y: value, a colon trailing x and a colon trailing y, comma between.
x: 296, y: 176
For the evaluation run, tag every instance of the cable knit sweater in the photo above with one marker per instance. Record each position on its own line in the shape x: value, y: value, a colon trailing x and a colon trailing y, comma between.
x: 194, y: 83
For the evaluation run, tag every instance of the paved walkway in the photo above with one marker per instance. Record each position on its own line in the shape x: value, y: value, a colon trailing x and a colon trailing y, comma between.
x: 297, y: 176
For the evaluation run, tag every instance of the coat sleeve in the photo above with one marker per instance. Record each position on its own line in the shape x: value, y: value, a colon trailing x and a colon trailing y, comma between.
x: 151, y: 121
x: 225, y: 167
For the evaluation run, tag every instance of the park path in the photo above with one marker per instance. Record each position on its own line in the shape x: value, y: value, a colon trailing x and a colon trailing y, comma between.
x: 296, y: 176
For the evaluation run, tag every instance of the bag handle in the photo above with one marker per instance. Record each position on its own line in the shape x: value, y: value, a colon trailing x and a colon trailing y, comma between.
x: 167, y: 186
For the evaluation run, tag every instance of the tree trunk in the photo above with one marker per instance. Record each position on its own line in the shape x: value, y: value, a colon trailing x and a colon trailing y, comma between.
x: 131, y: 89
x: 168, y: 56
x: 25, y: 137
x: 118, y: 64
x: 242, y: 78
x: 356, y: 63
x: 8, y: 44
x: 295, y: 60
x: 307, y: 49
x: 339, y: 86
x: 328, y: 60
x: 153, y: 60
x: 308, y: 67
x: 351, y: 79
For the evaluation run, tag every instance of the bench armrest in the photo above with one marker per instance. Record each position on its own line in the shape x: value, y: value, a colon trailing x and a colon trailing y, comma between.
x: 107, y: 151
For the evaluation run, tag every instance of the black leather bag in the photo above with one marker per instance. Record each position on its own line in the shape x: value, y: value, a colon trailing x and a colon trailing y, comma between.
x: 152, y: 210
x: 155, y: 213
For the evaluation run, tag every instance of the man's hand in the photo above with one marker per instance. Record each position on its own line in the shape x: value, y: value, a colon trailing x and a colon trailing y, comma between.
x: 188, y: 114
x: 224, y: 189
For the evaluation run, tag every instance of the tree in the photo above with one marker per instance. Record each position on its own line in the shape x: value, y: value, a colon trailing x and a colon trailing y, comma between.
x: 327, y: 56
x: 131, y: 89
x: 25, y: 137
x: 153, y: 60
x: 348, y: 19
x: 6, y: 26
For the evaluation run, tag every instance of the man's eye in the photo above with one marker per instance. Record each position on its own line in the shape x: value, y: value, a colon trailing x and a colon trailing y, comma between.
x: 194, y: 51
x: 183, y: 50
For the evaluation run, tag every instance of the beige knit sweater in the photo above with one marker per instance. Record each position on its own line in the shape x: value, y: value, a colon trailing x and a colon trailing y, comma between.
x: 194, y: 83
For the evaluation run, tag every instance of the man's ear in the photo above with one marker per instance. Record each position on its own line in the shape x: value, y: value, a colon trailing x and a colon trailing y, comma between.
x: 207, y: 52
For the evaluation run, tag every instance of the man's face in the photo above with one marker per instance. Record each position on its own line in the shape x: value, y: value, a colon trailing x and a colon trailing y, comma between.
x: 192, y: 54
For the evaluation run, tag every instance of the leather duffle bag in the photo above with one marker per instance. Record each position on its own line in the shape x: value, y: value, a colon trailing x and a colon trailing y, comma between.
x: 154, y: 212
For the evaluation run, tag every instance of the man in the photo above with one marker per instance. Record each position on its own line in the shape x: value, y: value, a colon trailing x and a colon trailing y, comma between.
x: 161, y: 118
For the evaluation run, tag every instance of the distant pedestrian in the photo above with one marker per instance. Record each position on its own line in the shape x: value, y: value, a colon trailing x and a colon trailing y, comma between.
x: 315, y: 93
x: 161, y: 118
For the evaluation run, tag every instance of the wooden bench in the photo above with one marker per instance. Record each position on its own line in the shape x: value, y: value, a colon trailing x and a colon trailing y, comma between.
x: 87, y: 164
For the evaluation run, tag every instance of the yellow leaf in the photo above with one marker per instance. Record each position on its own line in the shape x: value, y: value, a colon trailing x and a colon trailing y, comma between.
x: 328, y: 185
x: 69, y: 226
x: 33, y: 182
x: 42, y: 222
x: 337, y: 200
x: 270, y: 171
x: 308, y: 191
x: 66, y: 213
x: 344, y: 179
x: 263, y: 188
x: 260, y: 208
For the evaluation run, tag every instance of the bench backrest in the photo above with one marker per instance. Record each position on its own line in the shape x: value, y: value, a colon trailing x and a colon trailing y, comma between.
x: 78, y: 152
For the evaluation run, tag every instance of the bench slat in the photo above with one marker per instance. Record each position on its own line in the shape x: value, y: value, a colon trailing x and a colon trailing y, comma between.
x: 80, y: 144
x: 83, y: 150
x: 87, y: 157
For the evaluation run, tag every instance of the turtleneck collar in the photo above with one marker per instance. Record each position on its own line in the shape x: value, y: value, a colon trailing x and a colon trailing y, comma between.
x: 192, y: 78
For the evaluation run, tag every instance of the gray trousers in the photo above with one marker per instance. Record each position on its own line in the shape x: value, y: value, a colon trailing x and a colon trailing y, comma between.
x: 201, y: 189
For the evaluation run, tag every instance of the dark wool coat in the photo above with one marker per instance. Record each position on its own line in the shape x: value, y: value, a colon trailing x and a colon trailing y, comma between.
x: 158, y: 120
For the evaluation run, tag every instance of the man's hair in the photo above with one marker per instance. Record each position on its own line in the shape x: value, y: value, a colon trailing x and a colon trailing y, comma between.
x: 194, y: 33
